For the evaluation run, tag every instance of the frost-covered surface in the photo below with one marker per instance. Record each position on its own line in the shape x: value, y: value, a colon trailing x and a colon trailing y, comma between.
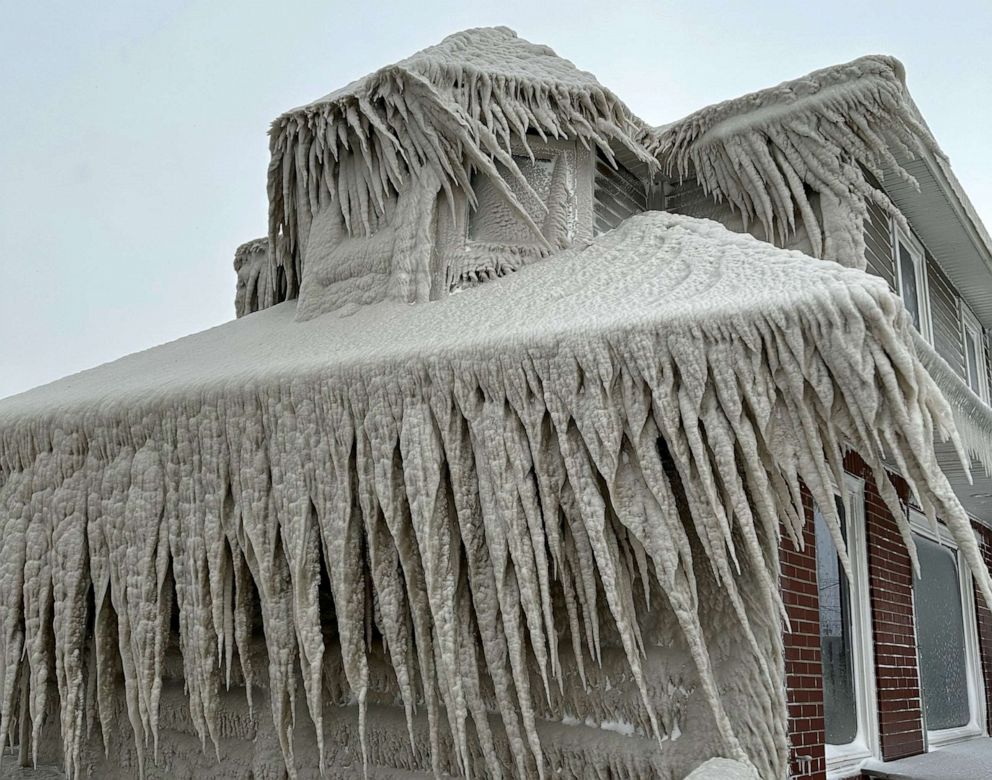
x: 436, y: 116
x: 972, y: 416
x: 722, y: 769
x: 256, y: 286
x: 485, y: 496
x: 368, y: 166
x: 966, y: 760
x: 767, y: 152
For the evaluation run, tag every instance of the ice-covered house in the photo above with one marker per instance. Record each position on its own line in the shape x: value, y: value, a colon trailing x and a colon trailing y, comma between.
x: 518, y: 462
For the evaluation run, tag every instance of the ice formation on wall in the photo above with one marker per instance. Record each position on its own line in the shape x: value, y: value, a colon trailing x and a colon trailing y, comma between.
x: 484, y: 486
x: 972, y: 416
x: 256, y: 285
x: 765, y: 153
x: 447, y: 111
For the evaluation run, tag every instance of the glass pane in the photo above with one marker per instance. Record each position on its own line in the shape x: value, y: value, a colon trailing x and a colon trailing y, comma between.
x: 940, y: 634
x: 971, y: 358
x: 840, y: 710
x: 907, y: 281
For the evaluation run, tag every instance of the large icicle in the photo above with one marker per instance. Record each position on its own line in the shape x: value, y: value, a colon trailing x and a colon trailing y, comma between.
x: 491, y: 484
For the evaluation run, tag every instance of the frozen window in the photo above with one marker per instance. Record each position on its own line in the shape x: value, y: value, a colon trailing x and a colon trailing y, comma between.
x: 911, y: 278
x: 974, y: 354
x: 836, y: 648
x: 494, y: 220
x: 941, y: 638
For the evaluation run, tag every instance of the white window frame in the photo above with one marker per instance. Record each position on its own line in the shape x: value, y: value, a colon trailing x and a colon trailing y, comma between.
x: 970, y: 324
x: 922, y: 285
x: 845, y: 760
x: 975, y: 727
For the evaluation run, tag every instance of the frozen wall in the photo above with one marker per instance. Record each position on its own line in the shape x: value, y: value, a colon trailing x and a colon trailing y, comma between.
x: 547, y: 501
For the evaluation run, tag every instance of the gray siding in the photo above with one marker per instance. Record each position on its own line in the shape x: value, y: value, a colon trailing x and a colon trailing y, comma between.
x: 945, y: 316
x: 878, y: 246
x: 987, y: 342
x: 687, y: 197
x: 617, y: 194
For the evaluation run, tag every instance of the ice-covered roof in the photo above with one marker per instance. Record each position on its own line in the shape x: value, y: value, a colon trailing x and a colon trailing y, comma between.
x: 660, y: 268
x: 768, y: 152
x: 497, y: 455
x: 449, y: 108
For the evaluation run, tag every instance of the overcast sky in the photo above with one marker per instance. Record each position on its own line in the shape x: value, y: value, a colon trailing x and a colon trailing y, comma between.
x: 133, y: 145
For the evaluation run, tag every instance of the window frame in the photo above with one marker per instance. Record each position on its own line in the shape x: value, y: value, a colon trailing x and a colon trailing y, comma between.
x: 843, y: 760
x: 899, y: 235
x: 976, y: 726
x: 969, y: 322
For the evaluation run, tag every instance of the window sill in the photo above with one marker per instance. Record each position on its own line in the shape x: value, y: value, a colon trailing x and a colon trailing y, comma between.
x: 944, y: 737
x: 845, y: 761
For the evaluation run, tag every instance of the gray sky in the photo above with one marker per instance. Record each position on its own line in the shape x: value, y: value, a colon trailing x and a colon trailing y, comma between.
x: 133, y: 143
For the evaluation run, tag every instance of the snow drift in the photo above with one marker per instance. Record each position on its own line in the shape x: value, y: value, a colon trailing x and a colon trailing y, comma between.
x: 481, y: 487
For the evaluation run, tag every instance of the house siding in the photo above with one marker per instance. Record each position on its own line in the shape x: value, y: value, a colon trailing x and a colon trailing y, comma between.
x: 945, y: 316
x: 879, y: 257
x: 617, y: 195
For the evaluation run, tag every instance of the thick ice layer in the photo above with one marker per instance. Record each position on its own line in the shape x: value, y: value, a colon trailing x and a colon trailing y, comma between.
x: 256, y: 285
x: 448, y: 110
x: 484, y: 485
x: 766, y: 153
x: 972, y: 416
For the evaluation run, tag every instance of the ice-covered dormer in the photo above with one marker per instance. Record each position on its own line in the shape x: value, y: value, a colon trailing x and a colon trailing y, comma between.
x: 456, y: 165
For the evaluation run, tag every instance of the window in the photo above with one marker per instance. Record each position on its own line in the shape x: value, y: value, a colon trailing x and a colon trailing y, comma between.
x: 946, y: 638
x: 845, y: 638
x: 974, y: 354
x: 488, y: 238
x: 911, y: 278
x: 494, y: 221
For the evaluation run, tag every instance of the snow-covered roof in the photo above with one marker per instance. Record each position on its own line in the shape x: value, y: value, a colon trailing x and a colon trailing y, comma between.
x: 450, y: 108
x: 507, y: 438
x: 687, y: 272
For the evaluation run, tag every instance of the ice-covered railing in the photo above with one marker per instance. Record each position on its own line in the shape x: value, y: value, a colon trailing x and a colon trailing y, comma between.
x: 769, y: 153
x: 489, y: 482
x: 448, y: 110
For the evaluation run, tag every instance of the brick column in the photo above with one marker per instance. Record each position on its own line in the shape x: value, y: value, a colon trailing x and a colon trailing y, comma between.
x: 803, y: 671
x: 985, y: 622
x: 890, y: 576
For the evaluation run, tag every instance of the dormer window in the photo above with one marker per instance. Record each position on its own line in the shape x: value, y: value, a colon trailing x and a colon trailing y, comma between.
x: 911, y: 278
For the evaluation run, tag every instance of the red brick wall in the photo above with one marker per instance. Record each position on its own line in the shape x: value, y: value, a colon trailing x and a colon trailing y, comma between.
x: 890, y: 576
x: 985, y: 623
x: 803, y: 675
